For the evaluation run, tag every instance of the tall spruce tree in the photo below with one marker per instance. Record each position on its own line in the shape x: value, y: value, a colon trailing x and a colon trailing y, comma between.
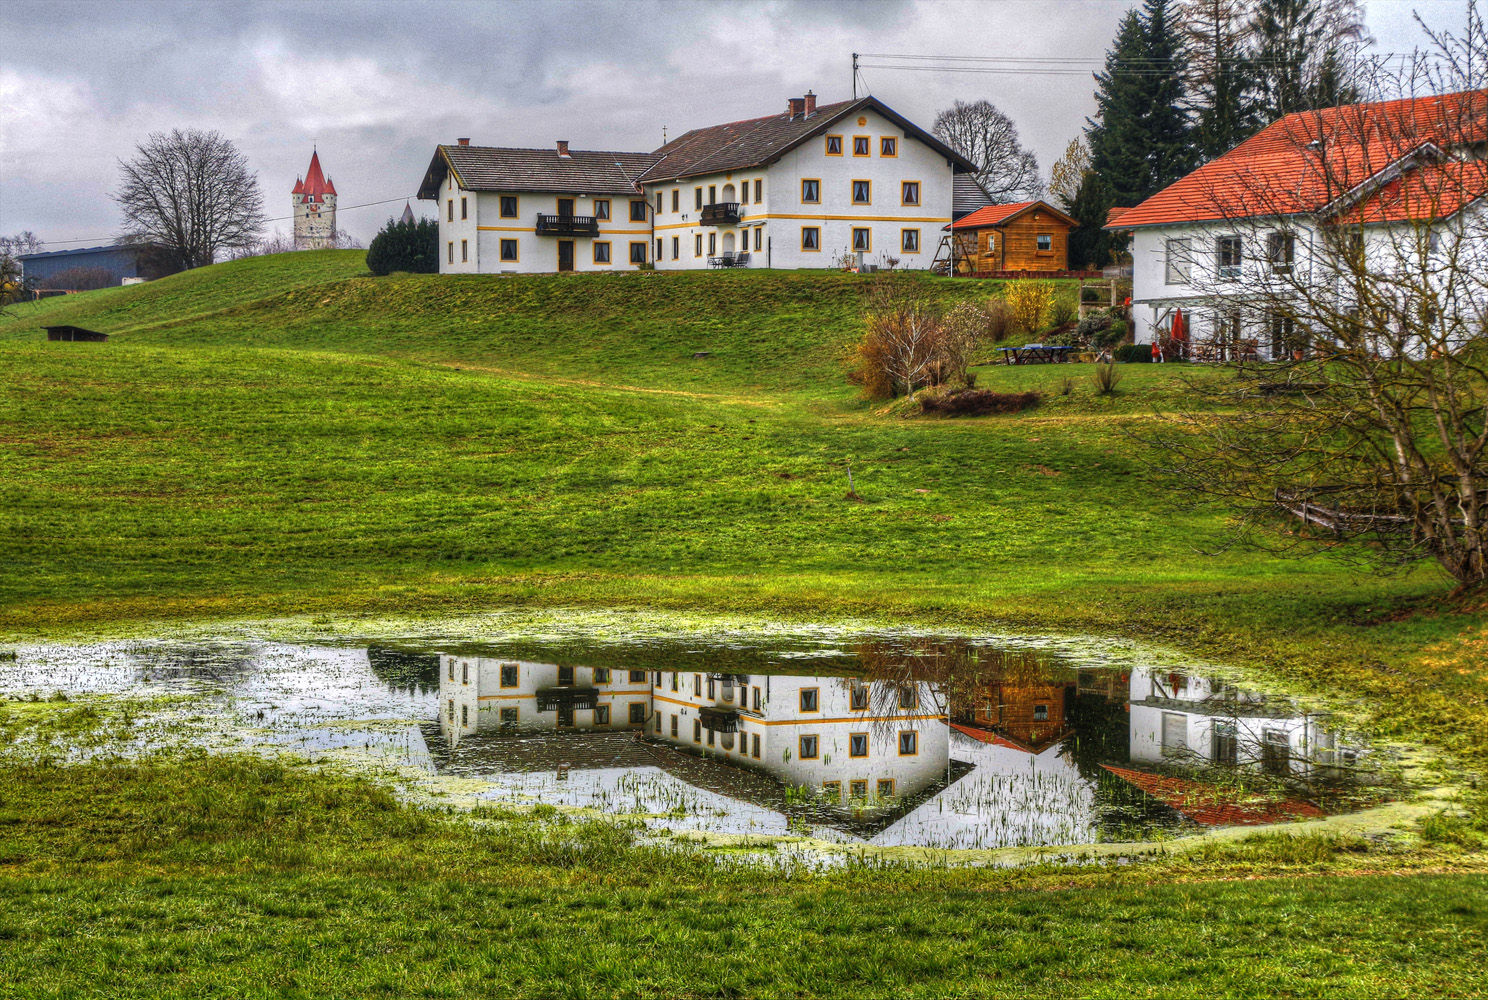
x: 1089, y: 243
x: 1220, y: 79
x: 1139, y: 139
x: 1303, y: 54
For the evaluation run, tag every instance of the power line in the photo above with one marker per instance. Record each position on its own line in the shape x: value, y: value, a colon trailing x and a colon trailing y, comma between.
x: 282, y: 218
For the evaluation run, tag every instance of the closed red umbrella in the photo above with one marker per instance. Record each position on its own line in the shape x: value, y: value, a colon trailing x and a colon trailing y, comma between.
x: 1179, y: 333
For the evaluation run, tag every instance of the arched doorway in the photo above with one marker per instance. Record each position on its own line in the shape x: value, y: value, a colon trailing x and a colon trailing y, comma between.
x: 728, y: 242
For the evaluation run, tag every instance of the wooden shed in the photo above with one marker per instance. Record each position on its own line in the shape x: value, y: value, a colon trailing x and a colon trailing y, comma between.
x: 1023, y: 236
x: 74, y: 333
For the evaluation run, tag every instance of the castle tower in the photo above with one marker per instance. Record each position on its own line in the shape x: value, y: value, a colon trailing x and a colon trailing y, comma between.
x: 314, y: 201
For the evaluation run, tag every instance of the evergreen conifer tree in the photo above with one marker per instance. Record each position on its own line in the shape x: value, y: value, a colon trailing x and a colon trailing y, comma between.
x: 1089, y: 243
x: 1220, y: 74
x: 411, y: 246
x: 1299, y: 57
x: 1140, y: 139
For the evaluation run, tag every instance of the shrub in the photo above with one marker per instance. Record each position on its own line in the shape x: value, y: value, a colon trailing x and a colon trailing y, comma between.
x: 1028, y: 302
x: 999, y: 320
x: 976, y: 402
x: 80, y: 279
x: 904, y: 343
x: 1064, y: 309
x: 1091, y: 325
x: 405, y: 246
x: 1134, y: 353
x: 1106, y: 376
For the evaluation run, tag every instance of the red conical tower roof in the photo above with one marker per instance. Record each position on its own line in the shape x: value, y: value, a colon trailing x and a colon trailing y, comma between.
x: 299, y: 187
x: 315, y: 182
x: 330, y: 187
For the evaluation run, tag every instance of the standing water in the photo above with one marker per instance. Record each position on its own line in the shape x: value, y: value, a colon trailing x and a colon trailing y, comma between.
x: 884, y: 740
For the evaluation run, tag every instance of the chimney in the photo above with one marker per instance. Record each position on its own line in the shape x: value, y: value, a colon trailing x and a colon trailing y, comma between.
x: 797, y: 106
x: 810, y: 103
x: 464, y: 142
x: 563, y: 149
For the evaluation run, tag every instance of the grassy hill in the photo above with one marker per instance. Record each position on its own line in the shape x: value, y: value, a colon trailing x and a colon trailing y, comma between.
x: 288, y: 434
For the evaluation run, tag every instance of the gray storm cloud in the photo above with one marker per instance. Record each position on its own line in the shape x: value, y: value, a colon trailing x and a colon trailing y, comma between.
x: 375, y: 85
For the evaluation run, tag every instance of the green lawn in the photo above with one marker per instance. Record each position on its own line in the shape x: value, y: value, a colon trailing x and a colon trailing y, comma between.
x: 222, y: 878
x: 286, y: 435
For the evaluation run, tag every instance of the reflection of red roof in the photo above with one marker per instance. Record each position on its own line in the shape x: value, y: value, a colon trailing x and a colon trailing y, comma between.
x: 1213, y: 806
x: 996, y: 215
x: 986, y: 736
x: 1305, y: 161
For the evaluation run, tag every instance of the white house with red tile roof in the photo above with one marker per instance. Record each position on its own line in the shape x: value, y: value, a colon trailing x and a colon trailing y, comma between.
x: 814, y: 186
x: 314, y: 200
x: 1383, y: 180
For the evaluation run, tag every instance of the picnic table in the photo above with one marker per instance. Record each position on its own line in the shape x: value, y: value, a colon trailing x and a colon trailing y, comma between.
x: 1035, y: 354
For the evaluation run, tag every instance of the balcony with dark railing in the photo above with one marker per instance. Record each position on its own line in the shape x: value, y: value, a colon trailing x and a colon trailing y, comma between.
x: 723, y: 213
x: 567, y: 225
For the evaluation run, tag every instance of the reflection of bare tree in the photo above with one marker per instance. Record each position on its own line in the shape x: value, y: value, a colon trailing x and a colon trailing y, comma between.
x: 970, y: 684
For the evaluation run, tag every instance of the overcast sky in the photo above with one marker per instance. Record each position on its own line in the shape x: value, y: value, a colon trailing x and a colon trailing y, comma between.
x: 376, y: 85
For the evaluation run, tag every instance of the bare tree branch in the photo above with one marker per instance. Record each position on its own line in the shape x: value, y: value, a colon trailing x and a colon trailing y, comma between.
x: 191, y: 193
x: 987, y: 137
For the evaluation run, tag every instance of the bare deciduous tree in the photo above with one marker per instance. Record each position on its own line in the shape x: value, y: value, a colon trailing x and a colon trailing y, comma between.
x: 21, y: 243
x: 190, y: 192
x: 1069, y: 170
x: 1363, y: 282
x: 279, y: 242
x: 987, y: 137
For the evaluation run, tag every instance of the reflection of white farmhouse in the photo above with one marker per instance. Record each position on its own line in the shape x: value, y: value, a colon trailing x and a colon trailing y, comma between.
x: 1179, y: 718
x: 840, y: 738
x: 478, y: 692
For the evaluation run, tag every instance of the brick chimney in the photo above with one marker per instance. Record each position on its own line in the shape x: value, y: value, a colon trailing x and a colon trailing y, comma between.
x: 563, y: 149
x: 810, y: 100
x: 463, y: 142
x: 796, y: 106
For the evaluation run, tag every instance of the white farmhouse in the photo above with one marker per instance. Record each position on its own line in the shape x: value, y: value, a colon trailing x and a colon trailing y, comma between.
x: 1280, y: 216
x: 814, y: 186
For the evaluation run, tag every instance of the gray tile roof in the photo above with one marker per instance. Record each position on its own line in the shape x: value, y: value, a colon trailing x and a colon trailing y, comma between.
x: 753, y: 142
x: 967, y: 196
x: 497, y: 168
x: 757, y: 142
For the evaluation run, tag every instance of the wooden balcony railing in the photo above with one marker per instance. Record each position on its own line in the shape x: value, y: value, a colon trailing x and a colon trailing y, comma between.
x: 723, y: 213
x: 567, y: 225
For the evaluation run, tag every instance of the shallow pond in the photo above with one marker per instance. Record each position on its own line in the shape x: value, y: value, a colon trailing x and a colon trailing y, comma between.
x: 881, y: 739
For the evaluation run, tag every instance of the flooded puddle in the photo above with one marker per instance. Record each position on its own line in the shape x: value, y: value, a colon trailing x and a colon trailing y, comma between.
x: 884, y: 740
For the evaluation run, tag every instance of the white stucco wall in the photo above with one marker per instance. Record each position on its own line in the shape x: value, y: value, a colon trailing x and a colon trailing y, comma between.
x: 781, y: 214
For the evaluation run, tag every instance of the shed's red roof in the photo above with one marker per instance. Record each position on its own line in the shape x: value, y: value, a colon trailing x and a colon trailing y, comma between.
x: 1306, y: 161
x: 996, y: 215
